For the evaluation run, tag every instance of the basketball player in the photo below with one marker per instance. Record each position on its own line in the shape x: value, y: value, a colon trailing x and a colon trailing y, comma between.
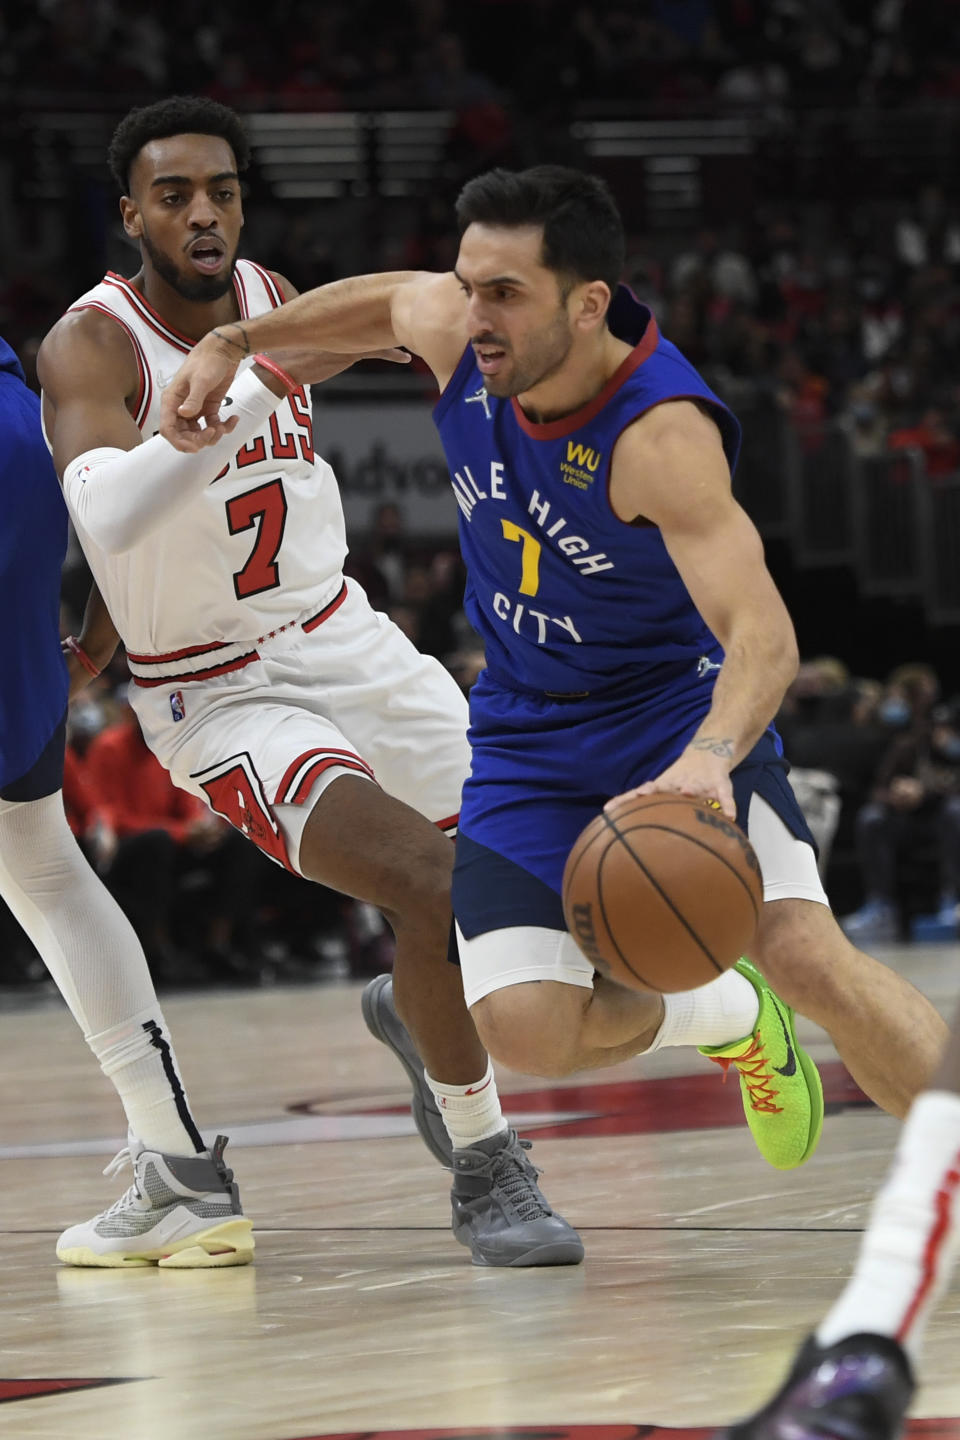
x: 854, y: 1378
x: 634, y: 638
x: 82, y: 935
x: 263, y: 680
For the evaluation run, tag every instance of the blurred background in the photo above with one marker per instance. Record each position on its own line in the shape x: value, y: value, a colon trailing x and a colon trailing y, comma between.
x: 787, y: 171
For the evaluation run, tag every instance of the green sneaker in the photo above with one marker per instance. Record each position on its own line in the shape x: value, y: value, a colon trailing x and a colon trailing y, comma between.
x: 779, y: 1083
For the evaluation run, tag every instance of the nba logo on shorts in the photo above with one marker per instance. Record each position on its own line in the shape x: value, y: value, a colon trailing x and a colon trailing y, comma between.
x: 177, y: 709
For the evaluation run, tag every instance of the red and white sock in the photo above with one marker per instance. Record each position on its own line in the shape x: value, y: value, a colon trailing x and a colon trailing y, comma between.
x: 470, y: 1112
x: 911, y: 1243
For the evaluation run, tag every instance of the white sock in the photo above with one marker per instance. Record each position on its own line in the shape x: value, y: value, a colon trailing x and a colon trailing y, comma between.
x: 911, y: 1242
x: 715, y: 1014
x: 470, y: 1112
x: 98, y: 965
x: 130, y: 1055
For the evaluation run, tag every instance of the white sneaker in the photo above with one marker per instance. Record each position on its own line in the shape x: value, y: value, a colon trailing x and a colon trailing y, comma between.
x: 181, y: 1212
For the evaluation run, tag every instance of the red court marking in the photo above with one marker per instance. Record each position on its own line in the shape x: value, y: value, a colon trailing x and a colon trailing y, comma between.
x: 660, y: 1107
x: 30, y: 1389
x: 638, y: 1107
x: 946, y: 1429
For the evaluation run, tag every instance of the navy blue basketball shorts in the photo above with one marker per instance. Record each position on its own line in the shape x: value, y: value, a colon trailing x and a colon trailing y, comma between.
x: 514, y: 839
x: 45, y: 775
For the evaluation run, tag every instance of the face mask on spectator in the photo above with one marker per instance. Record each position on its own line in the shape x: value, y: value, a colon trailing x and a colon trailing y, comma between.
x: 894, y: 712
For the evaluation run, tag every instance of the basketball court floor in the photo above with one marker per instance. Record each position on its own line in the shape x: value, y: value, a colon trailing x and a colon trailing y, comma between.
x: 362, y: 1316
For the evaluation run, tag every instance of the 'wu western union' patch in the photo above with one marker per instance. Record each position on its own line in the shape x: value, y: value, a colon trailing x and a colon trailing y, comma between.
x: 581, y: 465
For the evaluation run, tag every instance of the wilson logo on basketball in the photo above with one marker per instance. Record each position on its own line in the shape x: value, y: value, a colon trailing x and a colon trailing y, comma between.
x: 733, y: 832
x: 586, y: 936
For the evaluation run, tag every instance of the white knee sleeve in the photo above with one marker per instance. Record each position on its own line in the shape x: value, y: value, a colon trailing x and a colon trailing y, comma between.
x: 81, y: 934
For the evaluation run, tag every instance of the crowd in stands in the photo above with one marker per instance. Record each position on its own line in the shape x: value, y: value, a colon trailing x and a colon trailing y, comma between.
x: 365, y: 53
x: 876, y: 765
x: 858, y: 326
x: 835, y: 313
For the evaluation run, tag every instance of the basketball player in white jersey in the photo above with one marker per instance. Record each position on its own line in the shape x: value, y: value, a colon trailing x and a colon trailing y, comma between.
x: 262, y: 679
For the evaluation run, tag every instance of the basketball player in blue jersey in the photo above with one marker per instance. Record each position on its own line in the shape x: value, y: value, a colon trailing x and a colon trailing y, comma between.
x: 634, y: 638
x: 82, y: 935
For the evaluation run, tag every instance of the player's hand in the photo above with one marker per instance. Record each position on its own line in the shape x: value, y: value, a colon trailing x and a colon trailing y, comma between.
x: 196, y: 394
x: 700, y: 773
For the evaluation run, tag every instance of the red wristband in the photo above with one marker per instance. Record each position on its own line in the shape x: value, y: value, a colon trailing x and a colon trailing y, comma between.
x: 275, y: 369
x: 74, y: 646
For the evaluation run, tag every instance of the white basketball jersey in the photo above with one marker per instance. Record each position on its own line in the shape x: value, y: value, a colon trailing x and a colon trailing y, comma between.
x: 262, y: 546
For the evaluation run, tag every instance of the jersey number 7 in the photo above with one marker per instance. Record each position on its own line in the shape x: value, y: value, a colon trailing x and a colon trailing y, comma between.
x: 266, y: 508
x: 529, y: 556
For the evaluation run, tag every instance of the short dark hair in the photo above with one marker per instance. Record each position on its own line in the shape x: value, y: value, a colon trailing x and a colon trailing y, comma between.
x: 582, y: 230
x: 178, y: 115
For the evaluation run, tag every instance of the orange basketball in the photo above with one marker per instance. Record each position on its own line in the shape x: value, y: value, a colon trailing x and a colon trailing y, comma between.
x: 662, y: 893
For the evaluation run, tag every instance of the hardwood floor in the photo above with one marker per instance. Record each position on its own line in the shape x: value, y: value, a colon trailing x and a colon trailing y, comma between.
x: 362, y: 1314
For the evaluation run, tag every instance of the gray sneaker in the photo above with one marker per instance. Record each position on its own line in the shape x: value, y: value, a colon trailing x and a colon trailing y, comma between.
x: 182, y: 1212
x: 385, y: 1025
x: 500, y: 1212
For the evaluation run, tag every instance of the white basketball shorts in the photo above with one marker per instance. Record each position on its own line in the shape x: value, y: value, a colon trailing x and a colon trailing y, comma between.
x: 352, y: 697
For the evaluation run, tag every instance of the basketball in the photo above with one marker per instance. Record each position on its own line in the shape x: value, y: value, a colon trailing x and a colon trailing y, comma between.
x: 662, y: 893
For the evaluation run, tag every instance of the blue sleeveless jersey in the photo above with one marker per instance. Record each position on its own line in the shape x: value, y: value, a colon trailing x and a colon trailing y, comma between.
x: 33, y: 542
x: 567, y: 597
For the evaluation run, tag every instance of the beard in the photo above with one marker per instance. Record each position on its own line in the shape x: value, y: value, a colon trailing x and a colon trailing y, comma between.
x: 540, y: 359
x: 196, y: 288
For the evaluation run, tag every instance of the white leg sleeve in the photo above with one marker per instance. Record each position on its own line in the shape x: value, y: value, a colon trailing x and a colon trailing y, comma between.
x: 98, y: 965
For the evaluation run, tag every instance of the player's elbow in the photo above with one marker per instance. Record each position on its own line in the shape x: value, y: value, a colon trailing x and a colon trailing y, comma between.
x: 782, y: 648
x: 111, y: 534
x: 790, y: 658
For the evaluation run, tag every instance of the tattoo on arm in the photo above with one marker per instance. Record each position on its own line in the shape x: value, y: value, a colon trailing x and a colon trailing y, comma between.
x: 245, y: 346
x: 716, y: 746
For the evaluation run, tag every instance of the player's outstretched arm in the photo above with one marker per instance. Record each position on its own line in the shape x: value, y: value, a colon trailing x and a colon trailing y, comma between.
x: 116, y: 497
x: 425, y: 313
x: 669, y: 467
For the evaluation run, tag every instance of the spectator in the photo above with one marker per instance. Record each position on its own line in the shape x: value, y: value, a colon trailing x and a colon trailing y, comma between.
x: 934, y: 438
x: 909, y: 832
x: 154, y: 844
x: 380, y: 565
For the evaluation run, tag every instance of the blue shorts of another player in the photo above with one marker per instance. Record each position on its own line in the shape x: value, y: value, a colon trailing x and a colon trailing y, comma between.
x: 45, y: 775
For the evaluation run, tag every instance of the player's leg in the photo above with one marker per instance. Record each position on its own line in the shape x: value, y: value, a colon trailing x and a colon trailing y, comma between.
x: 367, y: 844
x: 854, y: 1378
x: 404, y: 713
x: 911, y: 1244
x: 539, y: 1007
x: 97, y: 962
x: 408, y: 718
x: 888, y: 1035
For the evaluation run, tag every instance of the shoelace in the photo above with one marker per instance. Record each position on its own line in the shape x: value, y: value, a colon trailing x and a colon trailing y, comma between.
x: 120, y: 1161
x: 517, y: 1179
x: 754, y: 1067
